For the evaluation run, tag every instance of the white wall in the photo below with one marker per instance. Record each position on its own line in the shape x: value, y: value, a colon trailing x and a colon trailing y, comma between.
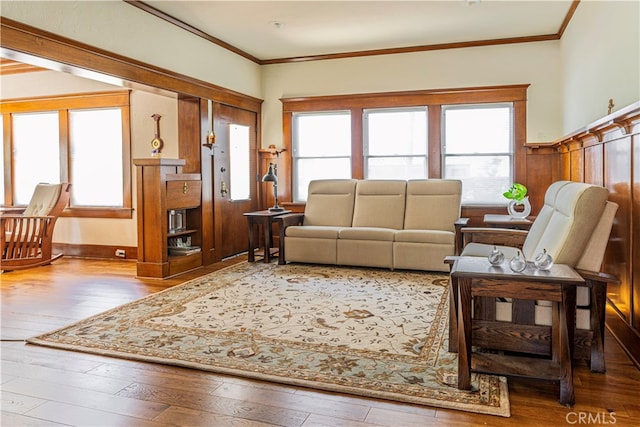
x: 529, y: 63
x: 103, y: 231
x: 124, y: 29
x: 600, y: 61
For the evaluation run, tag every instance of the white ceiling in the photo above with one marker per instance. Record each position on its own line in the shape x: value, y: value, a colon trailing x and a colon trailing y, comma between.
x: 271, y: 30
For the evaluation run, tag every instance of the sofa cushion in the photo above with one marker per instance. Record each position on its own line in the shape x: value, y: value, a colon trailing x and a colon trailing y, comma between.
x: 367, y: 233
x: 313, y: 231
x: 330, y: 202
x: 380, y: 203
x: 432, y: 204
x: 425, y: 236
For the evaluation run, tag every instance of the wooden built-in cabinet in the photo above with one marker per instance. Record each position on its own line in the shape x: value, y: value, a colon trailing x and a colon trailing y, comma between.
x: 169, y: 217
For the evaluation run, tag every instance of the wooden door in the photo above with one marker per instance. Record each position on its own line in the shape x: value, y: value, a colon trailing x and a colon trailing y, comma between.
x: 235, y: 175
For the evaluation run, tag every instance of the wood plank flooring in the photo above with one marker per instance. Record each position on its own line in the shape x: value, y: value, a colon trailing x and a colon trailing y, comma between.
x: 48, y: 387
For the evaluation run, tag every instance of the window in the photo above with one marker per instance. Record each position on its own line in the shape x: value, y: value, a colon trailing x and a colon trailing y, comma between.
x: 476, y: 134
x: 477, y: 147
x: 35, y: 153
x: 396, y: 143
x: 83, y: 139
x: 96, y: 183
x: 321, y: 149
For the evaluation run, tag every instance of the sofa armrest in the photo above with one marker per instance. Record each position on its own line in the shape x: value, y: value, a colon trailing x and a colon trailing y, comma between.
x: 289, y: 219
x: 285, y: 221
x: 458, y: 225
x: 494, y: 236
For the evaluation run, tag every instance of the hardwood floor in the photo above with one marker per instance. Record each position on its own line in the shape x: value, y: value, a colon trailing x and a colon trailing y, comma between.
x: 48, y: 387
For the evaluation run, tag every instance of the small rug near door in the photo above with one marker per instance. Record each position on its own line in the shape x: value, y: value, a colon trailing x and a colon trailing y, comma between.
x: 368, y: 332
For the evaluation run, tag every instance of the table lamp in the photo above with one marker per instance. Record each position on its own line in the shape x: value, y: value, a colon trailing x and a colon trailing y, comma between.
x: 271, y: 176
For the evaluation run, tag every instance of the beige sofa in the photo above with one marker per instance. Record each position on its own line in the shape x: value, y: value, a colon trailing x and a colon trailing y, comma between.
x: 392, y: 224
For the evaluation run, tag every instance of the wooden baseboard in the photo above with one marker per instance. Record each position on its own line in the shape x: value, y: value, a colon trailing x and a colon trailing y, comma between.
x: 95, y: 251
x: 627, y: 337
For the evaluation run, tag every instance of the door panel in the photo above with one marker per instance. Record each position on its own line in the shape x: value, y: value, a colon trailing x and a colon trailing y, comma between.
x: 234, y: 169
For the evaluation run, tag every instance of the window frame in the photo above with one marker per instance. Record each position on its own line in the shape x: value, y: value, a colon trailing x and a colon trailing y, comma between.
x: 432, y: 99
x: 62, y: 104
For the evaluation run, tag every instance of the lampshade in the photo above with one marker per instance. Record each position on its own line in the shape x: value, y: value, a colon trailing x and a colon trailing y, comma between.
x: 270, y: 176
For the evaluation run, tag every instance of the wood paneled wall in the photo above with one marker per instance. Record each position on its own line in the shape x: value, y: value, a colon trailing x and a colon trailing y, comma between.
x: 605, y: 152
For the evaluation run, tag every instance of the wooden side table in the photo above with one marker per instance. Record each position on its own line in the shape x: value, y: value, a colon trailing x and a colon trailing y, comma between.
x: 265, y: 219
x: 475, y: 277
x: 506, y: 221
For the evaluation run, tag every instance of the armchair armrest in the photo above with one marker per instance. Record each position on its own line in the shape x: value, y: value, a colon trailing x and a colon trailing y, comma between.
x: 597, y: 276
x: 494, y: 236
x: 285, y: 221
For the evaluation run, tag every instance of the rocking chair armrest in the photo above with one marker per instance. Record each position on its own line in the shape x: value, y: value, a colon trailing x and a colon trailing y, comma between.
x: 494, y: 236
x: 12, y: 210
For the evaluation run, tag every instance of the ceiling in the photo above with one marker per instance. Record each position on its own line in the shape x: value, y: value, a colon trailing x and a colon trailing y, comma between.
x: 275, y: 31
x: 298, y: 30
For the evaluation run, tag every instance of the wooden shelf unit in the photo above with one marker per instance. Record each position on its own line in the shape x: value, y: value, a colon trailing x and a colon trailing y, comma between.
x: 161, y: 188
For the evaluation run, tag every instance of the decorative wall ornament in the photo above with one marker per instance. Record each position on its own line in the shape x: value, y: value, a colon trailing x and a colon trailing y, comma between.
x: 156, y: 142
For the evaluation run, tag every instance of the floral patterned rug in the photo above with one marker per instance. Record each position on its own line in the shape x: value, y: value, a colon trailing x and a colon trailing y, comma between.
x: 369, y: 332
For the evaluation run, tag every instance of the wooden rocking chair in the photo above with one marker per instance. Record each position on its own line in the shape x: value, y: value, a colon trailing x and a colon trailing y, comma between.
x: 26, y: 236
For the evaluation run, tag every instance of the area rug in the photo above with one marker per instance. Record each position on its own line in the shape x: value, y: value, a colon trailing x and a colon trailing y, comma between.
x: 368, y: 332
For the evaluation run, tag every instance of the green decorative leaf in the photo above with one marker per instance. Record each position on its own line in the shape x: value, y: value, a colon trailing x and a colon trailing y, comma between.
x: 516, y: 192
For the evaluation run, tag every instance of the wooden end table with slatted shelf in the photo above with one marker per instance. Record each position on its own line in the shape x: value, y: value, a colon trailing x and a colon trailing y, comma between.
x: 475, y: 277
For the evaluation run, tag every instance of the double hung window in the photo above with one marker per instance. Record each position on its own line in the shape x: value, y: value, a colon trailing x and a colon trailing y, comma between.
x: 321, y: 148
x: 477, y: 148
x: 396, y: 143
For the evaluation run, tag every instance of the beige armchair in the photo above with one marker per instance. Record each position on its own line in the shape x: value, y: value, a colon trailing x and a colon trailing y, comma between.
x: 26, y: 236
x: 573, y: 226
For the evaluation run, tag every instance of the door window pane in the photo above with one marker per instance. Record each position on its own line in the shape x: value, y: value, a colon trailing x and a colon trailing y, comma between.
x: 96, y: 157
x: 36, y: 153
x: 321, y: 149
x: 478, y: 149
x: 240, y: 162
